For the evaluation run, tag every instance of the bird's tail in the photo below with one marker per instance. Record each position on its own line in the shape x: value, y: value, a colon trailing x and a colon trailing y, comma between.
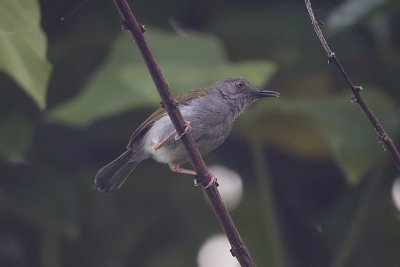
x: 113, y: 175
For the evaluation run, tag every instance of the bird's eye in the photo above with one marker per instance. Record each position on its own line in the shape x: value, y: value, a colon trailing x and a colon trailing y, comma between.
x: 240, y: 84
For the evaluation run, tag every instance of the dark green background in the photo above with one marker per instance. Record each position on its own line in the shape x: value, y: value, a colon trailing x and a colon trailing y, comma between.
x: 317, y: 184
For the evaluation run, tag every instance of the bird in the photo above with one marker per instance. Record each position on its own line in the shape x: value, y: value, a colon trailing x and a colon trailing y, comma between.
x: 209, y: 115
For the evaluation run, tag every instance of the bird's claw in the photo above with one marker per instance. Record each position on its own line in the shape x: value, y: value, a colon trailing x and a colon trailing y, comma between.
x: 188, y: 127
x: 212, y: 180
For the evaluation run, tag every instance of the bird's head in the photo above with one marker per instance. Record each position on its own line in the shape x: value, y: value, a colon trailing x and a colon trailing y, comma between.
x: 239, y: 92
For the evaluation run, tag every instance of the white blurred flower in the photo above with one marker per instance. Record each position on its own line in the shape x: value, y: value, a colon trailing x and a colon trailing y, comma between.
x: 396, y: 192
x: 215, y: 252
x: 230, y: 185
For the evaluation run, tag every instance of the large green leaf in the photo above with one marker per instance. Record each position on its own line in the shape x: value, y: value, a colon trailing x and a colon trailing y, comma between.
x: 23, y: 47
x: 329, y: 126
x: 123, y: 83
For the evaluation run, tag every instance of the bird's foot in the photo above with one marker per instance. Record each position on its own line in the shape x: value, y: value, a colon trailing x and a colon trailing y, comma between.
x: 175, y: 167
x: 188, y: 127
x: 213, y: 179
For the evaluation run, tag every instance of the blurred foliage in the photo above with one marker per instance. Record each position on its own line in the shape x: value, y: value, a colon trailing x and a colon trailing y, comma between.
x: 23, y: 47
x: 350, y: 12
x: 16, y: 138
x: 328, y: 121
x: 188, y: 62
x: 326, y: 177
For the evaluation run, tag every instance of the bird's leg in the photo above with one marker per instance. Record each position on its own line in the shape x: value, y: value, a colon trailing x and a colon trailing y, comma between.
x: 188, y: 127
x: 175, y: 167
x: 165, y: 141
x: 173, y: 134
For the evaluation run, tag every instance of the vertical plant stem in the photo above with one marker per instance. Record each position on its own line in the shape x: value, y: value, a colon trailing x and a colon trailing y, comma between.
x: 50, y: 251
x: 352, y: 236
x: 265, y: 193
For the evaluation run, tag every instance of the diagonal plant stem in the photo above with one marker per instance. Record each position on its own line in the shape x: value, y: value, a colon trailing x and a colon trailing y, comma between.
x: 356, y: 90
x: 343, y: 255
x: 204, y: 176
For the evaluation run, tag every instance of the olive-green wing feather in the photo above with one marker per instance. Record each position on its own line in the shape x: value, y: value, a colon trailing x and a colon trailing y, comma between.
x: 185, y: 98
x: 145, y: 126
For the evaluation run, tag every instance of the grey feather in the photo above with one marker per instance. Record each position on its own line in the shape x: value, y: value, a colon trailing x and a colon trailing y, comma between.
x: 114, y: 174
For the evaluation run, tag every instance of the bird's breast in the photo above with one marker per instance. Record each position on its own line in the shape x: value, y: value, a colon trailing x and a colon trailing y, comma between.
x: 209, y: 129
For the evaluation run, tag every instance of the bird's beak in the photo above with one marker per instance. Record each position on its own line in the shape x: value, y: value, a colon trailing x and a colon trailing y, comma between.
x: 266, y: 93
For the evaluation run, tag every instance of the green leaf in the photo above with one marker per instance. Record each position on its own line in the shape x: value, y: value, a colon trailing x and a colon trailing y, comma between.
x: 331, y: 124
x: 23, y: 47
x: 123, y: 82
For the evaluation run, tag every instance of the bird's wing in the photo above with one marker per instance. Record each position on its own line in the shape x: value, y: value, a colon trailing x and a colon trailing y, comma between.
x: 145, y: 126
x: 189, y: 96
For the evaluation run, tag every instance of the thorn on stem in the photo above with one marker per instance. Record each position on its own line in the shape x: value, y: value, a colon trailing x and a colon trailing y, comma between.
x: 196, y: 181
x: 321, y: 23
x: 383, y: 137
x: 162, y: 104
x: 358, y: 88
x: 175, y: 102
x: 331, y: 57
x: 212, y: 180
x: 124, y: 25
x: 232, y: 252
x: 142, y: 28
x: 353, y: 99
x: 240, y: 250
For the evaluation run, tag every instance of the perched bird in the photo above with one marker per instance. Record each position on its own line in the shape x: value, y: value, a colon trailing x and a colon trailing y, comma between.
x: 209, y: 115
